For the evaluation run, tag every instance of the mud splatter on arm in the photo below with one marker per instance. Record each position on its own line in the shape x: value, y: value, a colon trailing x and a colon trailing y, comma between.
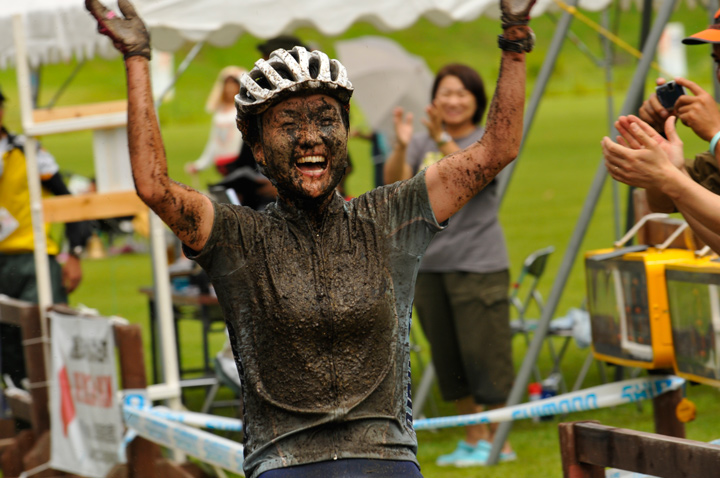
x: 187, y: 212
x: 453, y: 181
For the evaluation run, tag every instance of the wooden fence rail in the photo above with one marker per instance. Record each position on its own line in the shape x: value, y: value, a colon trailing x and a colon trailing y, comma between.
x: 587, y: 448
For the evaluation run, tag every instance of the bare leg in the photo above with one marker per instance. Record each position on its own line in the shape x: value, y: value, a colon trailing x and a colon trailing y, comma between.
x: 473, y: 433
x: 493, y: 429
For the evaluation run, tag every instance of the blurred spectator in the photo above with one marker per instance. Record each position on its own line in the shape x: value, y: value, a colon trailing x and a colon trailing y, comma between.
x: 17, y: 262
x: 697, y: 111
x: 225, y: 139
x: 461, y: 295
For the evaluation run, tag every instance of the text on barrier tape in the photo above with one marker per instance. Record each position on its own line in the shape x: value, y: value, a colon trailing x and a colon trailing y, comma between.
x: 602, y: 396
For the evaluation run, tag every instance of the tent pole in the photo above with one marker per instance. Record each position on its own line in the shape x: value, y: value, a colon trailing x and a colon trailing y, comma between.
x: 42, y: 263
x: 646, y: 21
x: 543, y: 77
x: 635, y: 92
x: 608, y: 53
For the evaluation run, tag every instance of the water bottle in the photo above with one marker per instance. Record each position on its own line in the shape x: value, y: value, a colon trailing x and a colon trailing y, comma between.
x: 535, y: 394
x: 550, y: 387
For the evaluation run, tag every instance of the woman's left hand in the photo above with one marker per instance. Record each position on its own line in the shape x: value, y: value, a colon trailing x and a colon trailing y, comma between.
x: 433, y: 122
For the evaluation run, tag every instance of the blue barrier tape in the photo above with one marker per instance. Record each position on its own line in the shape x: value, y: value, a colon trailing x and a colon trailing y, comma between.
x: 202, y: 445
x: 170, y: 428
x: 616, y: 393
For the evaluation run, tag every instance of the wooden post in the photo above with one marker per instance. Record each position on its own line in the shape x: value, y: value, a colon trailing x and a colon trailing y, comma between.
x: 27, y: 316
x: 12, y: 457
x: 141, y: 453
x: 666, y: 420
x: 34, y: 351
x: 572, y: 467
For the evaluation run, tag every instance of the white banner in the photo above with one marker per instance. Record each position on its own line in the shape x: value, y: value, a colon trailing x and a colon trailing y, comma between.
x: 86, y: 422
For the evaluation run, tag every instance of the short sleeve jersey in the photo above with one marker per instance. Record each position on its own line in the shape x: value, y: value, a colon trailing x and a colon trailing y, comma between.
x: 319, y: 321
x: 473, y: 240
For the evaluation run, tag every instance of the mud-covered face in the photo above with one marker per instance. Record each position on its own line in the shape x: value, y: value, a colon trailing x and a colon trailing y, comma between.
x: 303, y: 148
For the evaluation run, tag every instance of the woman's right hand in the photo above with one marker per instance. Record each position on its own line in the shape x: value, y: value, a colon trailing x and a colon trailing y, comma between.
x: 191, y: 169
x: 128, y: 33
x: 433, y: 122
x: 403, y: 126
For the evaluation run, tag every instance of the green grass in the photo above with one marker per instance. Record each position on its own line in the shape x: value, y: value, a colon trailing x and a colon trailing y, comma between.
x: 542, y: 207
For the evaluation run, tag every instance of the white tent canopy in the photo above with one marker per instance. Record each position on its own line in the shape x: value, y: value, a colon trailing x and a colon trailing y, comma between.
x: 57, y: 30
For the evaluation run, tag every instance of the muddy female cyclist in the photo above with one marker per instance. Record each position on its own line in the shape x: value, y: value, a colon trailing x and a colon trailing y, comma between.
x: 317, y: 291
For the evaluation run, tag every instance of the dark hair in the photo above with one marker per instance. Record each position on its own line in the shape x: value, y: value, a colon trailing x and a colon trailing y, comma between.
x: 471, y: 81
x: 286, y: 42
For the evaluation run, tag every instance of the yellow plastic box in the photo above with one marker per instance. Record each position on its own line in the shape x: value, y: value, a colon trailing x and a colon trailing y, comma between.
x: 694, y: 301
x: 628, y: 305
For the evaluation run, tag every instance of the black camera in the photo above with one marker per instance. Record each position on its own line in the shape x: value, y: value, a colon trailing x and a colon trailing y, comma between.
x: 669, y: 93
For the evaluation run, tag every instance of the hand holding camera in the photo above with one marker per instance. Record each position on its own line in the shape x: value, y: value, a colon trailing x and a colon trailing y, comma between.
x: 692, y: 105
x: 668, y: 94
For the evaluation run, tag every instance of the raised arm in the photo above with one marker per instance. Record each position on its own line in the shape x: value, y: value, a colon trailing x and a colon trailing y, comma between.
x: 454, y: 180
x: 187, y: 212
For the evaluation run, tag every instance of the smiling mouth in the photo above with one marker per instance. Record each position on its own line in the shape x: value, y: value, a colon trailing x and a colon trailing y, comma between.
x: 312, y: 165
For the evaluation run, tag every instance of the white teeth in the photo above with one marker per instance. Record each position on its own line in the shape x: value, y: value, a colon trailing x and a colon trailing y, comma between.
x: 311, y: 159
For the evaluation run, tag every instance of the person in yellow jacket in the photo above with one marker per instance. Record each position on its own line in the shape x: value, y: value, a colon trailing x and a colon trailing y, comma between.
x: 17, y: 263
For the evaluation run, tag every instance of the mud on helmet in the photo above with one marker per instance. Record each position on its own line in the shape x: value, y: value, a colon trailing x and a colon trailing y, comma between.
x: 287, y: 73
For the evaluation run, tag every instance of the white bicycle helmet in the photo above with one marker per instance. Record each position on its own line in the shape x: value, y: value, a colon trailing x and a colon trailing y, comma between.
x: 289, y: 72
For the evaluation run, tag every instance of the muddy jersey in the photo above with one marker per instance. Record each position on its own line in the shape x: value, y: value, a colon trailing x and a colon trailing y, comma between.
x: 319, y: 318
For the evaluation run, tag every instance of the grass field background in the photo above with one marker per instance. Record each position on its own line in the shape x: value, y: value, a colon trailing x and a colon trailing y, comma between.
x: 542, y: 206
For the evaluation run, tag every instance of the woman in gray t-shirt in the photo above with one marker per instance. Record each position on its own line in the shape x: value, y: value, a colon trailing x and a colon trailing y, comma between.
x: 461, y: 290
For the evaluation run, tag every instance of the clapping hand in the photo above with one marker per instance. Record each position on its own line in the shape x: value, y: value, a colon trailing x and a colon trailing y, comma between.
x: 433, y: 122
x: 642, y: 157
x: 403, y: 126
x: 128, y: 34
